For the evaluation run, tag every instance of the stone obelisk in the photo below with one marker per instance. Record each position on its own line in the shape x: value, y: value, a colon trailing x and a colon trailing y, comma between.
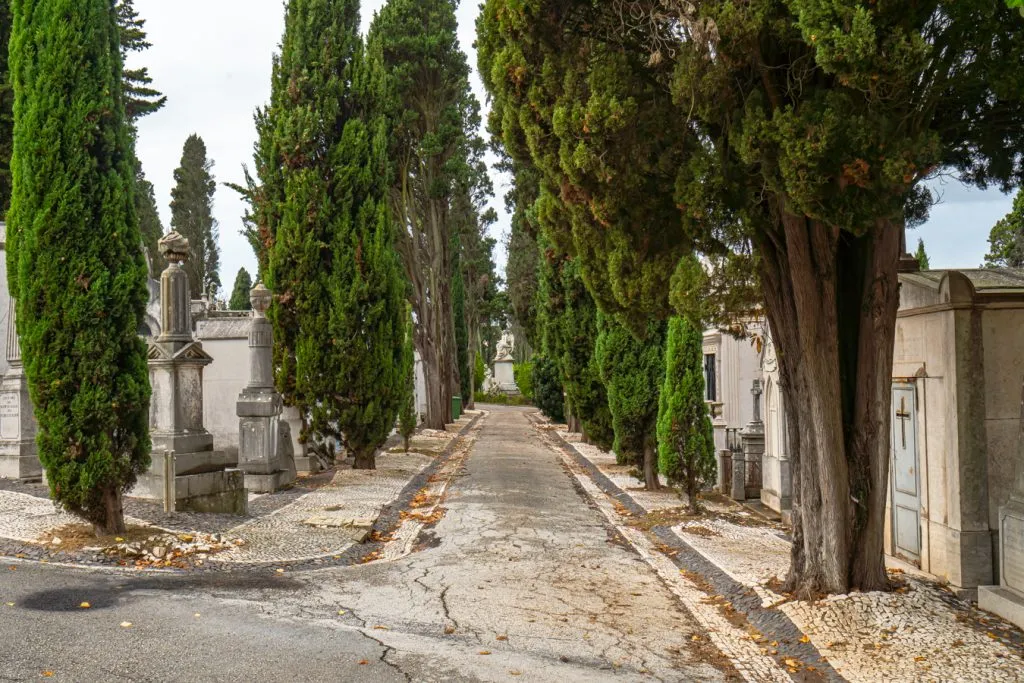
x: 205, y: 480
x: 265, y: 449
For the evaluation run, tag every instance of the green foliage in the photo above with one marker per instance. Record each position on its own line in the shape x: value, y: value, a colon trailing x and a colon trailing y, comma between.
x: 140, y: 98
x: 192, y: 217
x: 149, y: 221
x: 6, y: 110
x: 523, y: 374
x: 461, y: 327
x: 430, y: 111
x: 240, y: 292
x: 922, y: 256
x: 1006, y: 240
x: 479, y: 371
x: 632, y: 370
x: 407, y: 414
x: 73, y: 256
x: 501, y: 398
x: 686, y: 443
x: 338, y: 314
x: 548, y: 394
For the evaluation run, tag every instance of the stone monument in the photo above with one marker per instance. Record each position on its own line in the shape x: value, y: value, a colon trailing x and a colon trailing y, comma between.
x: 185, y: 470
x: 18, y: 454
x: 1007, y: 599
x: 752, y: 438
x: 504, y: 366
x: 264, y: 444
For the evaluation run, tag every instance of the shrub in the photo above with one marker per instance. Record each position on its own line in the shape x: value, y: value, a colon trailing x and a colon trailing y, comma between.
x: 523, y: 373
x: 547, y: 388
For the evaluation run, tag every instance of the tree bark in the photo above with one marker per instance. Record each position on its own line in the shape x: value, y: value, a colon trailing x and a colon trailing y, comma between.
x: 113, y: 509
x: 365, y: 460
x: 651, y: 481
x: 834, y: 295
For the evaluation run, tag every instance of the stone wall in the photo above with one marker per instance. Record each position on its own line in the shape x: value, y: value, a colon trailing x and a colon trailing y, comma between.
x: 225, y: 336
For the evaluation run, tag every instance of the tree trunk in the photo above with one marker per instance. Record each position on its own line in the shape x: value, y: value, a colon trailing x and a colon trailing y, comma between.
x: 692, y: 489
x: 651, y: 482
x: 365, y: 459
x: 835, y: 295
x: 113, y: 510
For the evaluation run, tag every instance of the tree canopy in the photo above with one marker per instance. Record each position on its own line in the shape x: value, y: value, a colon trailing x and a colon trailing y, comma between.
x: 192, y: 216
x: 1006, y: 240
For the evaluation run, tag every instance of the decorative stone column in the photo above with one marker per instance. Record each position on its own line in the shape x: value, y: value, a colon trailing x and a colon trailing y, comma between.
x: 265, y: 449
x: 19, y: 457
x: 752, y: 438
x: 1007, y: 599
x: 205, y: 480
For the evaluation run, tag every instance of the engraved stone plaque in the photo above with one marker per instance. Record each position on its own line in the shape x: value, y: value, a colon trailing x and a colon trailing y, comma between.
x: 1012, y: 537
x: 10, y: 404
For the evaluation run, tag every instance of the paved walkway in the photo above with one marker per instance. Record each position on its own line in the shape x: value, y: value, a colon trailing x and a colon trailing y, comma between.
x: 522, y: 579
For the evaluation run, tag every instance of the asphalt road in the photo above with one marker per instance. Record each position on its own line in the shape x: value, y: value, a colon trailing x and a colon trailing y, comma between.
x: 523, y: 582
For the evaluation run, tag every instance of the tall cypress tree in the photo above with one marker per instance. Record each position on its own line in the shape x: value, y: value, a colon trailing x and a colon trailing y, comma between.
x: 240, y: 292
x: 461, y: 327
x: 192, y: 216
x: 633, y: 369
x: 686, y: 442
x: 150, y: 225
x: 6, y: 110
x: 1006, y: 240
x: 74, y: 262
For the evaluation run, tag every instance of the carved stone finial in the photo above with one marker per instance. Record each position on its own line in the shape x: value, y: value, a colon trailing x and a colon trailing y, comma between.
x: 174, y: 248
x: 259, y: 297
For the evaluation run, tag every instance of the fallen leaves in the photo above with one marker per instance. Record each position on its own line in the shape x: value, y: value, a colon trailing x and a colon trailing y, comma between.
x: 502, y: 638
x: 126, y: 624
x: 85, y: 605
x: 363, y: 662
x: 484, y: 652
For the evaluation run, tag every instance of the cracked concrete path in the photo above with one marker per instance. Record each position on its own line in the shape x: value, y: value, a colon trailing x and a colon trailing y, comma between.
x: 521, y: 580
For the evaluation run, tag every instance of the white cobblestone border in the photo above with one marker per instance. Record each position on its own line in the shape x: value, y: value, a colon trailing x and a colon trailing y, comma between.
x: 743, y: 652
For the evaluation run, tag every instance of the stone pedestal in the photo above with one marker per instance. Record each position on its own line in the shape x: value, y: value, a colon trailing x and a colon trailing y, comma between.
x: 263, y: 454
x: 504, y: 376
x: 204, y: 480
x: 752, y: 439
x: 19, y: 458
x: 724, y: 482
x: 739, y: 477
x: 291, y: 423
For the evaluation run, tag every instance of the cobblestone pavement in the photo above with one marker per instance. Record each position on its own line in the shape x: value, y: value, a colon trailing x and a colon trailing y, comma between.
x: 320, y: 517
x: 918, y: 633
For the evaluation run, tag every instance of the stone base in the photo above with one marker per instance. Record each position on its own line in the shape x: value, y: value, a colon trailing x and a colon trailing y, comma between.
x: 221, y: 492
x: 24, y: 468
x: 1003, y: 601
x: 307, y: 465
x: 268, y: 483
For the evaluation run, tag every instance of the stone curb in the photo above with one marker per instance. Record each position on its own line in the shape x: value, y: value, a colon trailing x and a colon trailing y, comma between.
x: 770, y: 622
x: 386, y: 520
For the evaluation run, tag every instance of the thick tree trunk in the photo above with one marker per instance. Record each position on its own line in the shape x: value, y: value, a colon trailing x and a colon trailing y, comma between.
x: 651, y: 482
x: 831, y: 300
x: 113, y: 510
x: 365, y: 459
x: 692, y: 490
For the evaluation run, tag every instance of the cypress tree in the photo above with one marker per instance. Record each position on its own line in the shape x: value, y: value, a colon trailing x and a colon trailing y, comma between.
x: 686, y: 442
x: 240, y: 292
x: 407, y: 414
x: 150, y: 226
x: 922, y: 256
x: 192, y: 216
x: 548, y: 394
x: 461, y: 327
x: 74, y: 261
x: 6, y: 110
x: 632, y: 370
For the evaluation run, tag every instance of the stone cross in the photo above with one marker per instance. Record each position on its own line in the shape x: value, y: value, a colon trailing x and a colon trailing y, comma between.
x: 757, y: 391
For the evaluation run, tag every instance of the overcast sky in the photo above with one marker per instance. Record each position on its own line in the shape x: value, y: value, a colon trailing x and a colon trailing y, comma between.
x: 212, y: 60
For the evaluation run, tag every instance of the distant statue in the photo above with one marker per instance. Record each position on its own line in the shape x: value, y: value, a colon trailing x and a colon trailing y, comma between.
x: 505, y: 346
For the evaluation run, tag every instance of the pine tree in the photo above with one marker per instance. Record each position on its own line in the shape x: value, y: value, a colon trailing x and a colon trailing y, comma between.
x: 74, y: 261
x: 6, y: 110
x: 140, y: 98
x: 192, y: 217
x: 240, y: 292
x: 632, y: 370
x: 686, y: 442
x: 1006, y: 240
x: 150, y: 226
x: 922, y: 256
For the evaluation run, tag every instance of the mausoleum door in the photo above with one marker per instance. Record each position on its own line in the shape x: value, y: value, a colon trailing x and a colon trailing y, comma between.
x: 906, y: 490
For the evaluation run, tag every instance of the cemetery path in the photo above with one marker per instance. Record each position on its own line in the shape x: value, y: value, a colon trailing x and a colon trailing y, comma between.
x: 522, y: 579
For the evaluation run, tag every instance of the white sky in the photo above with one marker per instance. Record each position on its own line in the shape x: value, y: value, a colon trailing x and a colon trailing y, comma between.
x: 216, y: 71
